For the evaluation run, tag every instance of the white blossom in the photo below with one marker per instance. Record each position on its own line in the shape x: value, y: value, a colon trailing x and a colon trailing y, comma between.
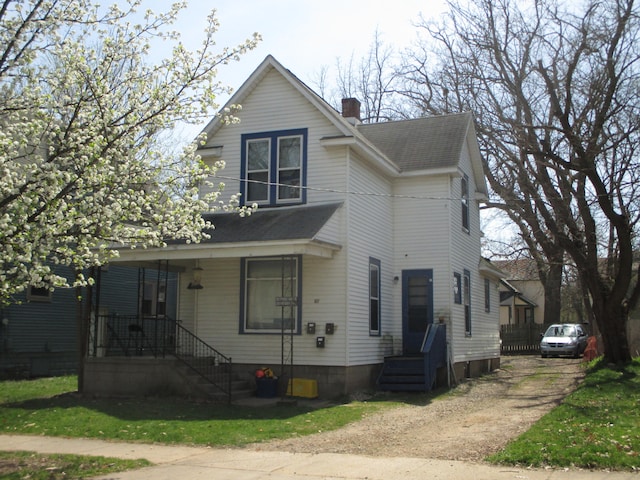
x: 82, y: 113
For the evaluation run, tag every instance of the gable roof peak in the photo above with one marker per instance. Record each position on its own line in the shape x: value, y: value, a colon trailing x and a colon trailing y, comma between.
x: 267, y: 65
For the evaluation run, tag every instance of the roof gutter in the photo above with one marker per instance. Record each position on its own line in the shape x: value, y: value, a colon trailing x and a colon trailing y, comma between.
x: 316, y: 248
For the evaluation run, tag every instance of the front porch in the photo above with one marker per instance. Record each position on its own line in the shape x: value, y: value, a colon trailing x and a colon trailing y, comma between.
x: 140, y: 355
x: 133, y: 356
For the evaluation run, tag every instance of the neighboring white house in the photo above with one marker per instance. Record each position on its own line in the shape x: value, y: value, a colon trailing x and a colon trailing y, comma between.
x: 364, y: 235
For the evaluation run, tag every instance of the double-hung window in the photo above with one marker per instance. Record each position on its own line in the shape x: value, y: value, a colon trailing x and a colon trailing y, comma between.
x: 466, y: 298
x: 464, y: 200
x: 457, y: 288
x: 374, y: 296
x: 274, y: 167
x: 487, y: 295
x: 154, y: 299
x: 270, y: 292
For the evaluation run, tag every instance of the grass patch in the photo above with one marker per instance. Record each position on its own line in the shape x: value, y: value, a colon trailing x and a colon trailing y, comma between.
x: 597, y: 426
x: 50, y: 407
x: 33, y: 466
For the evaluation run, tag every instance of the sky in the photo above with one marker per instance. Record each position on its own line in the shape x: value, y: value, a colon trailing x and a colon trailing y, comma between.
x: 303, y: 35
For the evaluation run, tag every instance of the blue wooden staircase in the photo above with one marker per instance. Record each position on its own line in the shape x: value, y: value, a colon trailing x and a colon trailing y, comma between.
x: 416, y: 373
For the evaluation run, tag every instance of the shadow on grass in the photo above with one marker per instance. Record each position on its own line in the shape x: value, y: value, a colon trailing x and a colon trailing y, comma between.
x: 159, y: 408
x: 163, y: 408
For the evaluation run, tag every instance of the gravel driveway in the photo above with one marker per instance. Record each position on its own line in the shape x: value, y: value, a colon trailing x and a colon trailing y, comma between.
x: 477, y: 419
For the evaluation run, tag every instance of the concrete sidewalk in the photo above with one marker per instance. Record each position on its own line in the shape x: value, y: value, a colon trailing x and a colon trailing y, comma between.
x: 193, y: 463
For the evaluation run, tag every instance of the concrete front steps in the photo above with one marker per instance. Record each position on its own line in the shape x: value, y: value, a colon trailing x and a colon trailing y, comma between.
x: 204, y: 389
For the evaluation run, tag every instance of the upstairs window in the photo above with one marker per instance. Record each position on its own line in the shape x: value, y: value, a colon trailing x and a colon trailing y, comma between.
x: 258, y: 170
x: 273, y: 167
x: 464, y: 200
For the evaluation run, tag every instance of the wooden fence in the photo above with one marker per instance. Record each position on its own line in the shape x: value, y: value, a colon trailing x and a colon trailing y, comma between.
x: 521, y: 339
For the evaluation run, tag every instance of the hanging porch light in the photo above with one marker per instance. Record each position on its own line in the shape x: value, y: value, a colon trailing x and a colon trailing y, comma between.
x: 196, y: 280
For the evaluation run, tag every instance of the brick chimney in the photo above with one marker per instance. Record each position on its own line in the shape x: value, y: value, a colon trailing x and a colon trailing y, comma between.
x: 351, y: 110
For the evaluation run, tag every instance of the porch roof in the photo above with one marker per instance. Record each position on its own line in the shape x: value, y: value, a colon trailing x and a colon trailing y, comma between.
x: 515, y: 299
x: 284, y: 223
x: 274, y: 231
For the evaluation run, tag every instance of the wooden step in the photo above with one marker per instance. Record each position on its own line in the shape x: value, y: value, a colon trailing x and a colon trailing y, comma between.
x: 403, y: 374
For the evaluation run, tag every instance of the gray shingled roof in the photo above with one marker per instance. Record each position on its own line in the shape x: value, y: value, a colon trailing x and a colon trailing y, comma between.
x: 299, y: 223
x: 421, y: 143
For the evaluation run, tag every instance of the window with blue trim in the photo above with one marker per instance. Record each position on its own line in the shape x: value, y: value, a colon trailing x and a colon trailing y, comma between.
x: 487, y: 295
x: 457, y: 288
x: 374, y: 296
x: 270, y: 291
x: 274, y: 167
x: 464, y: 200
x: 466, y: 296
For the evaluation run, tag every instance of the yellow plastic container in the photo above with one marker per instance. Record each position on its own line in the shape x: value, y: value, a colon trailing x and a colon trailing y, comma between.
x: 302, y: 387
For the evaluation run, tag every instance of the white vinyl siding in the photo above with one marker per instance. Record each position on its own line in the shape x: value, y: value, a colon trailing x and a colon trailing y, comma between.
x: 411, y: 222
x: 275, y: 106
x: 484, y: 341
x: 370, y: 224
x: 323, y: 301
x: 422, y: 214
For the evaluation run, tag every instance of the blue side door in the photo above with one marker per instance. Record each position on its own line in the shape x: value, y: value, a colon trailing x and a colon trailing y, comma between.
x: 417, y: 308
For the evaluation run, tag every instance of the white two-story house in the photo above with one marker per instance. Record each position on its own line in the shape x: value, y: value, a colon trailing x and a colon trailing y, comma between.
x: 365, y: 235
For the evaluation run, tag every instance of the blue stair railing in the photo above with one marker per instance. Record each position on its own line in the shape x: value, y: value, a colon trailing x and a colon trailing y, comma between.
x: 416, y: 372
x: 434, y: 351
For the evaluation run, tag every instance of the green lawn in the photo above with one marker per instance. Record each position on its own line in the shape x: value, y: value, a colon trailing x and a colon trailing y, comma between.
x: 598, y: 426
x: 33, y: 466
x: 48, y: 407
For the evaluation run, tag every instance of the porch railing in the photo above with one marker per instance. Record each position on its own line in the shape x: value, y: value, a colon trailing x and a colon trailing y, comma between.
x: 132, y: 335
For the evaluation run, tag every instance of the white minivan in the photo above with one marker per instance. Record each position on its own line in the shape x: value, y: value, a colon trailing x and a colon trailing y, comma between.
x: 563, y: 339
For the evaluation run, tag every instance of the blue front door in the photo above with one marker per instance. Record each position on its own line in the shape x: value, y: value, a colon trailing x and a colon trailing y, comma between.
x: 417, y: 308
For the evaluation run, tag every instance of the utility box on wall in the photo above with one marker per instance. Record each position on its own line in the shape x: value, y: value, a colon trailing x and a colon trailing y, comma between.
x: 302, y: 387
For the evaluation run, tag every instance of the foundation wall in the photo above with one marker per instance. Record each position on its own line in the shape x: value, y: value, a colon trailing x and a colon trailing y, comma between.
x: 131, y: 377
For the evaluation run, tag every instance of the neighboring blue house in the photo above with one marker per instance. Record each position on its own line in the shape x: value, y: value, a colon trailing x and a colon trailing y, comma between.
x: 38, y: 333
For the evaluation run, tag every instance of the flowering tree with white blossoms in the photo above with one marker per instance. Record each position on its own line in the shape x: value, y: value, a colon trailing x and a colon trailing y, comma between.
x: 82, y: 113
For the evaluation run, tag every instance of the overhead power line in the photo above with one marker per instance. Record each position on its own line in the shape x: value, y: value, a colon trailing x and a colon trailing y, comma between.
x: 334, y: 190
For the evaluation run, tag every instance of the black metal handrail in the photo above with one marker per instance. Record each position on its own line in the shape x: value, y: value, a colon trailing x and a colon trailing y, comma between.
x: 203, y: 359
x: 132, y: 335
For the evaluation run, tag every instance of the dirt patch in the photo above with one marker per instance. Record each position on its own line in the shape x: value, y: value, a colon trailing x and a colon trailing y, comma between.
x: 477, y: 419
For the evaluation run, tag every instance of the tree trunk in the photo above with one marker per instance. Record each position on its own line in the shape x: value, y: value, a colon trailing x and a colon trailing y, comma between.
x: 83, y: 318
x: 612, y: 324
x: 553, y: 293
x: 80, y: 338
